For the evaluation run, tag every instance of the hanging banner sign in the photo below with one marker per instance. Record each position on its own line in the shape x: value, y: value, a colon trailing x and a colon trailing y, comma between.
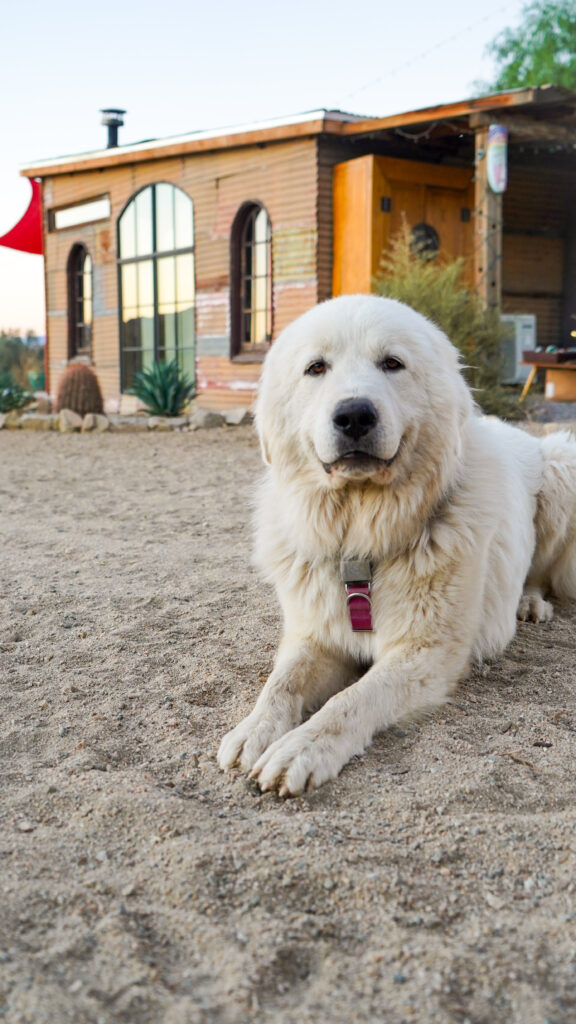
x: 497, y: 157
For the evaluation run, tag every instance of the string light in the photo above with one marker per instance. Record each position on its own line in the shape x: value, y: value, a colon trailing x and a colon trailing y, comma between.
x: 426, y: 53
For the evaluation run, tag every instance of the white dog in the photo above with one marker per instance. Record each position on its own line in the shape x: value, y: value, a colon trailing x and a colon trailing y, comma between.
x: 403, y: 533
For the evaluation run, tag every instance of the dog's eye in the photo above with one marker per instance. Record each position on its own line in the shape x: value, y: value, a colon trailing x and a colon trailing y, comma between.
x: 391, y: 365
x: 316, y: 369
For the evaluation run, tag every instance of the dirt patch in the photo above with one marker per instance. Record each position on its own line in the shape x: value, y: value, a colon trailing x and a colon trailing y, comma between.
x: 433, y: 881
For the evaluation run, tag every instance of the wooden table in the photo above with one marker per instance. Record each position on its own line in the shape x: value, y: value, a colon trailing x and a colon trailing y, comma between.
x: 560, y: 385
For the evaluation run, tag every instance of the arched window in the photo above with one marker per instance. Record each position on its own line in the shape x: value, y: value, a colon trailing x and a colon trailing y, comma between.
x: 157, y: 293
x: 251, y: 280
x: 79, y: 303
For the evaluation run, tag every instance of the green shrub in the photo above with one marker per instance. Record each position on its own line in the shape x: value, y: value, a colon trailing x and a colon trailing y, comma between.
x: 164, y: 389
x: 12, y: 396
x: 437, y: 288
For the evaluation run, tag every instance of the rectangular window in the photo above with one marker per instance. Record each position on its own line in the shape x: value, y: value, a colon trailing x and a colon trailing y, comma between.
x: 80, y: 213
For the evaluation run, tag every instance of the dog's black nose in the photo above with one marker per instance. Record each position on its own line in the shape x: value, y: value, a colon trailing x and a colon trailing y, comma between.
x: 355, y: 417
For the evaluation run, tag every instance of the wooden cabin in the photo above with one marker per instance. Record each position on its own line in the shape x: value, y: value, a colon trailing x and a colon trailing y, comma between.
x: 204, y: 247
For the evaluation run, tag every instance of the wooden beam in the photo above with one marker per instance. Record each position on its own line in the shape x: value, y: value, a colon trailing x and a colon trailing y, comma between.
x: 527, y: 128
x: 497, y: 102
x: 487, y: 229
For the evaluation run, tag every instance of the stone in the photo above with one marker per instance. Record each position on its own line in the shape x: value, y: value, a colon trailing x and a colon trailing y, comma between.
x: 37, y: 421
x: 2, y: 420
x: 166, y: 423
x: 129, y: 424
x: 69, y: 422
x: 95, y: 421
x: 102, y: 423
x: 12, y: 420
x: 43, y: 406
x: 207, y: 418
x: 237, y: 416
x: 89, y: 422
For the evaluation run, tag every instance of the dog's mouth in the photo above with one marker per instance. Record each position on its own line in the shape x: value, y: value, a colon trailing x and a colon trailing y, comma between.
x: 358, y: 464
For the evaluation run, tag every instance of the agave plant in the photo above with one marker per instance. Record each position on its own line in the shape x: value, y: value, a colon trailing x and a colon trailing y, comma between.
x: 12, y: 396
x: 164, y: 389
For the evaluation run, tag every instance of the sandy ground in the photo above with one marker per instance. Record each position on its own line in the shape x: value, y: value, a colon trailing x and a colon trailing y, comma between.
x: 433, y: 881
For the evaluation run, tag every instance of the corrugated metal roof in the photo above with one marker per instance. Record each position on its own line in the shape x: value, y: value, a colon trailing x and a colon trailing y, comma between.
x: 311, y: 123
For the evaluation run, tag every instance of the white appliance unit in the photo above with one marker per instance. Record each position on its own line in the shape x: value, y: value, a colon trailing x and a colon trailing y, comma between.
x: 521, y: 336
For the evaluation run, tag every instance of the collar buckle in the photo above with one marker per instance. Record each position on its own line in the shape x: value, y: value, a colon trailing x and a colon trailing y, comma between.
x: 356, y: 574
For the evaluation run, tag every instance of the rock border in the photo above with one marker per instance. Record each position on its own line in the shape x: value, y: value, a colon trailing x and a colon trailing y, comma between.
x: 68, y: 422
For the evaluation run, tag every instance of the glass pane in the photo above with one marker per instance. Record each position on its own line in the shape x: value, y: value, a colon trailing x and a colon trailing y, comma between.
x: 184, y: 217
x: 147, y: 329
x: 261, y: 227
x: 131, y: 330
x: 185, y: 279
x: 128, y: 233
x: 143, y: 204
x: 167, y: 340
x: 166, y: 284
x: 186, y: 362
x: 145, y: 284
x: 186, y: 327
x: 87, y: 290
x: 164, y: 218
x: 132, y: 365
x: 87, y: 271
x: 129, y: 287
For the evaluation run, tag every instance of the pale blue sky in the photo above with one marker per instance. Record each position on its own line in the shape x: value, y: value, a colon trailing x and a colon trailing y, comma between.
x: 177, y: 67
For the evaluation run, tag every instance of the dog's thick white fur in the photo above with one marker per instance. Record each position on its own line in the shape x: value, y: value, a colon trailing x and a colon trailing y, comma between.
x: 376, y: 451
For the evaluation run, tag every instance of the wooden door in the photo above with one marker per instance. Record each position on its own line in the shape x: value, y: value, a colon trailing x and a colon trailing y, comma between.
x: 375, y: 196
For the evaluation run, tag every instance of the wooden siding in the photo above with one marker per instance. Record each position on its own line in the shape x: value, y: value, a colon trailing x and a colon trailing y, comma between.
x: 283, y: 177
x: 538, y: 214
x: 330, y: 153
x: 415, y: 191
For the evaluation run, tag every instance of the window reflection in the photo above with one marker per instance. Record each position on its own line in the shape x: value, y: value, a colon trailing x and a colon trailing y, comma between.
x: 144, y: 240
x: 165, y: 218
x: 157, y: 280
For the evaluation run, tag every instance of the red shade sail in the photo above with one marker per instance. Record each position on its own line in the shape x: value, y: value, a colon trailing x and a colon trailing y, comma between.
x: 26, y: 235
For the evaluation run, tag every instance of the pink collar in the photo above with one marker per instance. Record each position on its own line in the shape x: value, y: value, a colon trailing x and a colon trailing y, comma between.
x: 356, y: 574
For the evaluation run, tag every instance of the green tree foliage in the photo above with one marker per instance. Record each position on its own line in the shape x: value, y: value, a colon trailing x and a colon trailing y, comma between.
x: 540, y: 51
x: 12, y: 396
x: 19, y: 357
x: 437, y: 288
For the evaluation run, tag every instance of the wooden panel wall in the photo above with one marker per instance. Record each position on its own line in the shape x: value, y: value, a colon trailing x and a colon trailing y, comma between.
x: 538, y: 213
x: 282, y: 176
x: 415, y: 192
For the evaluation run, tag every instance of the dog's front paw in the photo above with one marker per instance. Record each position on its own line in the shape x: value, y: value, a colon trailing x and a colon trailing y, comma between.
x: 299, y: 761
x: 243, y: 745
x: 533, y: 607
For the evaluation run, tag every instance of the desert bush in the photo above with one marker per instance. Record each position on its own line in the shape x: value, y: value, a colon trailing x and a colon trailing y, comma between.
x: 164, y: 389
x: 437, y: 288
x: 79, y: 390
x: 12, y: 396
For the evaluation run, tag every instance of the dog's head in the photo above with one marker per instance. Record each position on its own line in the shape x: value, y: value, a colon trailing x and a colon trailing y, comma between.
x: 357, y: 388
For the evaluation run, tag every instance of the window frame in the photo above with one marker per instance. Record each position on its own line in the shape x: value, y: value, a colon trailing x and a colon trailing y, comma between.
x: 153, y: 256
x: 78, y: 327
x: 241, y: 350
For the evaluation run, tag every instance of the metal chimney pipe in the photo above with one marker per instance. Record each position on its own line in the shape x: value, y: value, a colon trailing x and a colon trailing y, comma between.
x: 113, y: 119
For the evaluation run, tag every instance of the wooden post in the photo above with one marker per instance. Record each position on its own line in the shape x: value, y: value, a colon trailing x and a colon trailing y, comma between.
x: 487, y: 229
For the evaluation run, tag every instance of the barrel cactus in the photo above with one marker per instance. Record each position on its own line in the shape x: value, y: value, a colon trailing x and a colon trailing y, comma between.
x: 79, y: 390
